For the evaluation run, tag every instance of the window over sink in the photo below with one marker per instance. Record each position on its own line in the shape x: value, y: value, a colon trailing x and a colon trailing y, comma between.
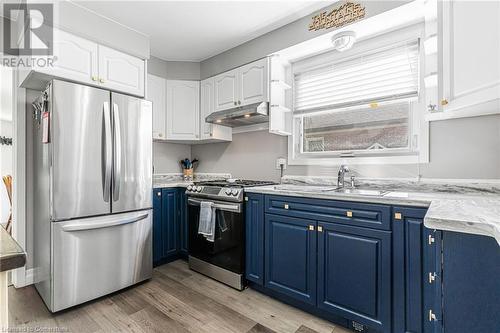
x: 362, y: 106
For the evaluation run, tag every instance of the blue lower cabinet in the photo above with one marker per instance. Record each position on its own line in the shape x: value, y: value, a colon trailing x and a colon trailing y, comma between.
x: 169, y: 215
x: 290, y: 257
x: 254, y: 234
x: 157, y: 226
x: 354, y: 274
x: 183, y: 223
x: 471, y: 283
x: 170, y: 218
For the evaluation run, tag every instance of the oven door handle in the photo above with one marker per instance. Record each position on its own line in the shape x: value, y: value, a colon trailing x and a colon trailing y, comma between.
x: 220, y: 206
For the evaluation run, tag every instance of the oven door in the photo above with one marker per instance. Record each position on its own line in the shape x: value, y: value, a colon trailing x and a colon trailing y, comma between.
x: 227, y: 249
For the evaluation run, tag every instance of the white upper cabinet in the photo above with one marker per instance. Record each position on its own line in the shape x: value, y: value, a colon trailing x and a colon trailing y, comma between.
x: 470, y: 44
x: 120, y: 71
x: 83, y: 61
x: 242, y: 86
x: 156, y: 91
x: 226, y: 90
x: 75, y: 58
x: 253, y: 82
x: 183, y: 110
x: 209, y: 131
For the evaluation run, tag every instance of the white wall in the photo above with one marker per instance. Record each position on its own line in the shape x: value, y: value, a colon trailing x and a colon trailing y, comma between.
x: 467, y: 148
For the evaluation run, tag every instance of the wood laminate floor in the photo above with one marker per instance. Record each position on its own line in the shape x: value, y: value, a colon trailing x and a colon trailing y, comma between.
x: 175, y: 300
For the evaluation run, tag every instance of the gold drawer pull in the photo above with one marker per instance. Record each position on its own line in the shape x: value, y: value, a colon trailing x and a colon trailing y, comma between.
x: 311, y: 227
x: 286, y: 206
x: 320, y: 228
x: 349, y: 213
x: 398, y: 216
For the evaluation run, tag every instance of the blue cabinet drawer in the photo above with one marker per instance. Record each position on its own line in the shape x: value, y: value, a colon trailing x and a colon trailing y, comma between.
x: 350, y: 213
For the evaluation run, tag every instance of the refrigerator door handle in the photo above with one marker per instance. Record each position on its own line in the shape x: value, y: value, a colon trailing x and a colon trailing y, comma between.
x: 117, y: 152
x: 106, y: 149
x: 110, y: 223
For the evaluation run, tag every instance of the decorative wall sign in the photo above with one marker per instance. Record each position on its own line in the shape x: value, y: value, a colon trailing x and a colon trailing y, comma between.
x: 345, y: 14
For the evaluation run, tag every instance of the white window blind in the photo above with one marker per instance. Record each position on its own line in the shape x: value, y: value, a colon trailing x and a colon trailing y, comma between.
x: 385, y: 74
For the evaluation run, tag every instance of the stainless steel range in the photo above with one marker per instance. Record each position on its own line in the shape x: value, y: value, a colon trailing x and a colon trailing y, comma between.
x: 224, y: 258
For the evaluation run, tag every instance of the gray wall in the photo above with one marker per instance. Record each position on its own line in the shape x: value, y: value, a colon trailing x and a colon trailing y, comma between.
x: 286, y: 36
x: 166, y: 156
x: 467, y: 148
x: 174, y: 70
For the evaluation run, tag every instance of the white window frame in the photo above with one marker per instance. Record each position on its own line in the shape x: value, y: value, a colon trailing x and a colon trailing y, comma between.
x: 419, y: 127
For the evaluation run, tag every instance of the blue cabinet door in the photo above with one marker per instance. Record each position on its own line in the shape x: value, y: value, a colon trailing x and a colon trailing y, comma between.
x: 408, y: 269
x: 183, y: 223
x: 290, y: 257
x: 157, y: 227
x: 254, y: 234
x: 170, y: 204
x: 354, y: 274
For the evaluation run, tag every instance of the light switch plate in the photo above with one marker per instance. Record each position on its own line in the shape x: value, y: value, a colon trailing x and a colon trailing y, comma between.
x: 279, y: 162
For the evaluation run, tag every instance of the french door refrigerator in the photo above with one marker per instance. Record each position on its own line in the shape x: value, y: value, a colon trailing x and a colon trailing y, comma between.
x: 92, y: 193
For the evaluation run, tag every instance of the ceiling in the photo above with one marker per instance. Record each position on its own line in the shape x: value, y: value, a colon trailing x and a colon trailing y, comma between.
x: 197, y: 30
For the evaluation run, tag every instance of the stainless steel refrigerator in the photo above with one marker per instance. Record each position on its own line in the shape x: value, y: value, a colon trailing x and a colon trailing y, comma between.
x: 92, y: 193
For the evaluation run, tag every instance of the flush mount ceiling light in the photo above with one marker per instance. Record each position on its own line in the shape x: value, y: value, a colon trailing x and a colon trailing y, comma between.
x: 343, y: 40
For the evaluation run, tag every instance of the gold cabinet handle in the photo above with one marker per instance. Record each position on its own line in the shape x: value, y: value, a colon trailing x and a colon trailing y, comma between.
x: 320, y: 228
x: 158, y: 194
x: 94, y: 78
x: 101, y: 80
x: 235, y: 103
x: 432, y: 277
x: 246, y: 198
x: 239, y: 102
x: 311, y: 227
x: 444, y: 102
x: 398, y: 216
x: 348, y: 213
x: 286, y: 206
x: 430, y: 240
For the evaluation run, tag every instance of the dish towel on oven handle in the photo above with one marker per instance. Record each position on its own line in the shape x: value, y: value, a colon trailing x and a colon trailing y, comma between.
x: 206, y: 225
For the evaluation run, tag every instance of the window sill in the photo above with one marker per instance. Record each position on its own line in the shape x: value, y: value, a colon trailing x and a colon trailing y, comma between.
x: 410, y: 159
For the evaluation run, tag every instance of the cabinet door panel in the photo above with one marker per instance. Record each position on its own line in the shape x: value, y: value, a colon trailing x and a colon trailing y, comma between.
x: 290, y: 257
x: 183, y: 110
x: 471, y: 75
x: 156, y: 94
x: 121, y: 72
x: 354, y: 274
x: 207, y: 104
x: 253, y: 85
x: 183, y: 223
x: 157, y: 227
x: 254, y: 223
x: 169, y: 207
x: 226, y: 90
x: 76, y: 58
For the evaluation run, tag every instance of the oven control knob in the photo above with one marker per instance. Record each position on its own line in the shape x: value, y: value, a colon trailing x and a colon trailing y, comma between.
x: 189, y: 188
x: 234, y: 192
x: 228, y: 192
x: 198, y: 189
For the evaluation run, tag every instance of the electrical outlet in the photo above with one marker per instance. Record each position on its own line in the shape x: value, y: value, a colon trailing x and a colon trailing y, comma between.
x: 279, y: 162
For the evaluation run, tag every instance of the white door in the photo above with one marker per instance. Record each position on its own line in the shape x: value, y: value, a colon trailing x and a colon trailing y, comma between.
x: 75, y: 59
x: 253, y: 82
x: 211, y: 131
x: 183, y: 110
x: 471, y: 53
x: 226, y: 90
x: 156, y: 91
x: 121, y: 72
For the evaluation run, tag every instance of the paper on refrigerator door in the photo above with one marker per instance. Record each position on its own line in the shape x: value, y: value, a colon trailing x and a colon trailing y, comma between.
x: 45, y: 127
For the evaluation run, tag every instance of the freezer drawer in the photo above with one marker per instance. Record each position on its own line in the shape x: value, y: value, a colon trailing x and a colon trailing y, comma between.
x: 96, y: 256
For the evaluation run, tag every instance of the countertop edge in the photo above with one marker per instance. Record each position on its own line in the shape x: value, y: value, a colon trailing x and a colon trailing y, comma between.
x: 12, y: 256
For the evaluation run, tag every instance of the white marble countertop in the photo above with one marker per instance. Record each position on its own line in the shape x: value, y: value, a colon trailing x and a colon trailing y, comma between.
x: 466, y: 208
x: 169, y: 180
